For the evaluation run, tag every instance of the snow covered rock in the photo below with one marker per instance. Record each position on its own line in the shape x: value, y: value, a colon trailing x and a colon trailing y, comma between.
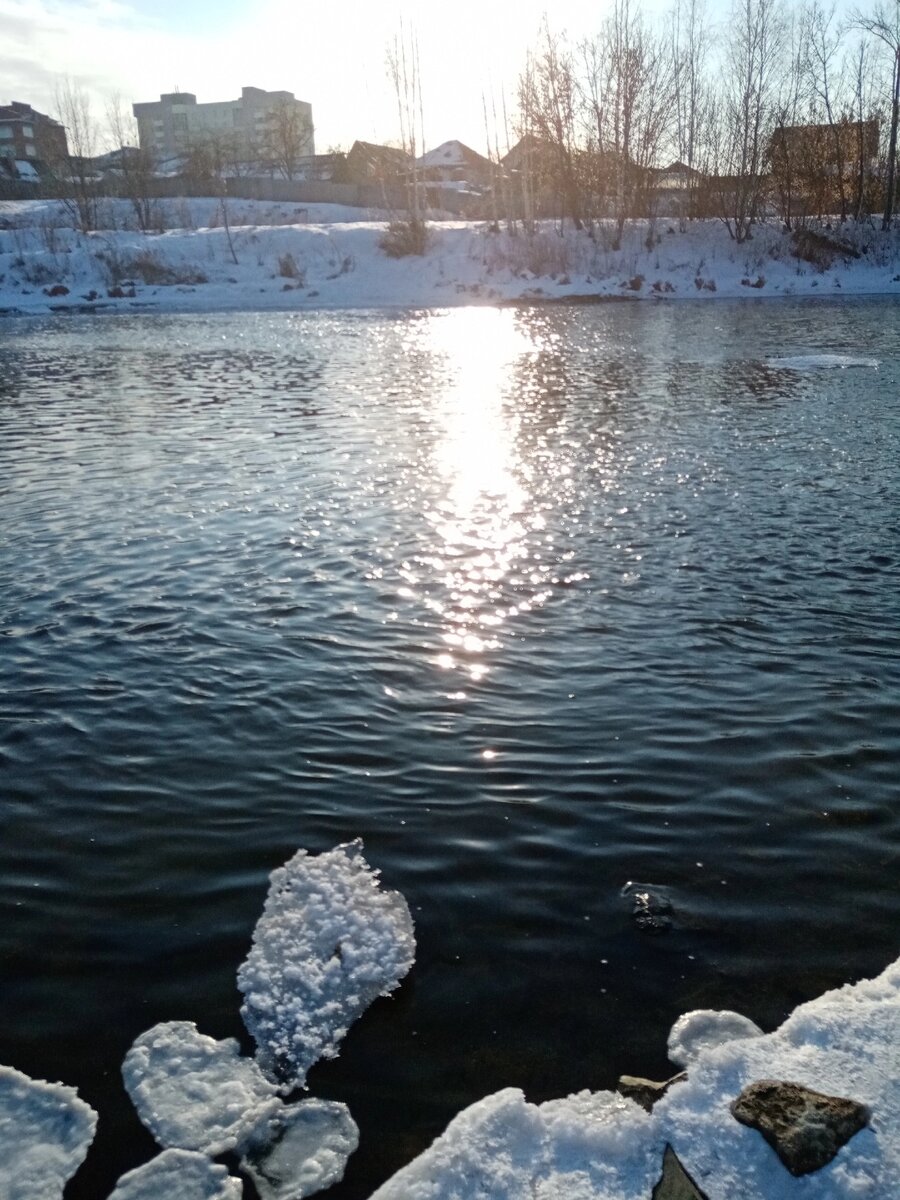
x: 300, y: 1149
x: 178, y: 1175
x: 590, y: 1146
x: 704, y: 1028
x: 330, y: 941
x: 45, y: 1132
x: 193, y: 1092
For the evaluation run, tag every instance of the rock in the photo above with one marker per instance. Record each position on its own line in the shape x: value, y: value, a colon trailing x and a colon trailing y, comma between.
x: 806, y: 1129
x: 652, y: 910
x: 646, y: 1092
x: 675, y: 1183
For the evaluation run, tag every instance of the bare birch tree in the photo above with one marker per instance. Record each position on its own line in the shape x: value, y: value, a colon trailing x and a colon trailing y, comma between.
x: 883, y: 24
x: 75, y: 174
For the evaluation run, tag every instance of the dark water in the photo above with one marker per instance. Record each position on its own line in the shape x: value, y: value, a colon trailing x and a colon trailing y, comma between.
x: 537, y: 604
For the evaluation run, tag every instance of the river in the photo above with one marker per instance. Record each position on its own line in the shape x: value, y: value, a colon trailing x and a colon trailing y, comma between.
x: 538, y: 603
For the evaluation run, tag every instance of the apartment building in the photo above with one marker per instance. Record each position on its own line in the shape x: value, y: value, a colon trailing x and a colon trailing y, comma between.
x: 176, y: 123
x: 30, y: 136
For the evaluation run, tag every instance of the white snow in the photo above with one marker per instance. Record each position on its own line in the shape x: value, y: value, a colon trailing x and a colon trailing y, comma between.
x: 45, y: 1132
x: 293, y: 256
x: 598, y: 1146
x: 193, y: 1092
x: 299, y: 1150
x: 330, y: 941
x: 178, y: 1175
x: 704, y: 1028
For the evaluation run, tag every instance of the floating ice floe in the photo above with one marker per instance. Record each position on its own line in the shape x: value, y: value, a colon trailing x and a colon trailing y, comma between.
x: 300, y: 1149
x: 704, y: 1028
x: 193, y: 1092
x: 600, y: 1147
x: 45, y: 1132
x: 178, y: 1175
x: 816, y: 362
x: 330, y: 941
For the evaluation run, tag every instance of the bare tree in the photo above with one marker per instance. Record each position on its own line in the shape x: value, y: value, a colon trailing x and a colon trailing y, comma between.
x: 549, y: 113
x: 884, y: 25
x: 408, y: 234
x: 288, y: 137
x: 690, y: 44
x: 753, y: 61
x: 74, y: 175
x: 136, y: 166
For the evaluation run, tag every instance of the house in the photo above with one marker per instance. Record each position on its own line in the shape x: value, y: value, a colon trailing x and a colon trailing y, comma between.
x: 31, y: 138
x: 367, y: 162
x: 453, y: 162
x: 258, y: 128
x: 673, y: 190
x: 819, y: 169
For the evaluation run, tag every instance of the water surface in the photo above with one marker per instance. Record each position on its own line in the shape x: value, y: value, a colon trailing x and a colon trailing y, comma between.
x: 537, y: 603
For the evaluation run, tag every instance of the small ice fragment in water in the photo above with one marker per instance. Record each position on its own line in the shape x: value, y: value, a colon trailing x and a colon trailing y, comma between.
x: 652, y: 909
x: 178, y: 1175
x: 193, y: 1092
x: 300, y: 1150
x: 329, y: 941
x: 698, y: 1031
x: 812, y: 362
x: 45, y: 1132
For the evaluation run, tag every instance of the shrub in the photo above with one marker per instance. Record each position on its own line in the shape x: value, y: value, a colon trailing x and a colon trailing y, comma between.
x: 819, y: 249
x: 403, y: 237
x: 288, y: 269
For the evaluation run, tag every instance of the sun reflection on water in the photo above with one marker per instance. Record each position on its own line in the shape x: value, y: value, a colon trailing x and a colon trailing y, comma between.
x: 475, y: 577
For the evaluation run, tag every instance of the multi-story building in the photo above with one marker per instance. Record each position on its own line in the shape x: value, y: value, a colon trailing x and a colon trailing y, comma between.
x: 29, y: 136
x: 258, y: 127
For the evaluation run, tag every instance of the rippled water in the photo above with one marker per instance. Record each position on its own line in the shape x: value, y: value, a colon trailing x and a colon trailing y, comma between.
x: 537, y: 603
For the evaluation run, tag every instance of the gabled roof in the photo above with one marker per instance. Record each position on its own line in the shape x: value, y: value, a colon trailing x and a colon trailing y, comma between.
x: 454, y: 154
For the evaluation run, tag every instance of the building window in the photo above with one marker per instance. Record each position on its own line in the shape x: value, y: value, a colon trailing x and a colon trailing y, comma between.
x: 28, y: 130
x: 30, y: 151
x: 5, y: 132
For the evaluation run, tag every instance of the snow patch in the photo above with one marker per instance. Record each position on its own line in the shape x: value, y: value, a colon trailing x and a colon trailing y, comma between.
x: 299, y: 1150
x: 704, y: 1028
x: 178, y: 1175
x: 193, y: 1092
x: 45, y: 1132
x: 330, y: 941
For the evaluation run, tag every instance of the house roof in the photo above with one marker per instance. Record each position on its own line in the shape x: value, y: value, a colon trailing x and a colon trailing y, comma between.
x: 453, y: 154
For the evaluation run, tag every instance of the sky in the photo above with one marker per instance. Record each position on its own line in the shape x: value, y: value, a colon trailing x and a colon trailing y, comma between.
x: 332, y: 55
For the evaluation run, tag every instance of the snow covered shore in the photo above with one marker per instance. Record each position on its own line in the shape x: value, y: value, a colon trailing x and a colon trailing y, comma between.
x: 281, y: 256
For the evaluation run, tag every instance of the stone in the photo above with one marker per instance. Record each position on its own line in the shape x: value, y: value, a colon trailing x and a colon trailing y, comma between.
x: 675, y: 1183
x: 652, y: 909
x: 806, y: 1129
x: 646, y: 1092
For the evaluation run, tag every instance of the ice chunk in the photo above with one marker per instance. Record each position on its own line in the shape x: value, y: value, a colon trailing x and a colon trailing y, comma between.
x: 45, y: 1132
x: 178, y: 1175
x: 590, y: 1146
x: 330, y: 941
x: 193, y: 1092
x: 816, y: 362
x: 704, y: 1028
x: 300, y: 1149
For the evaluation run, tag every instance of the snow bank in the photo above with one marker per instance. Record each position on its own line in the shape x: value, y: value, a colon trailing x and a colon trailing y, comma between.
x: 193, y: 1092
x: 285, y: 256
x: 330, y: 941
x: 602, y: 1147
x: 178, y: 1175
x: 301, y: 1149
x: 45, y: 1132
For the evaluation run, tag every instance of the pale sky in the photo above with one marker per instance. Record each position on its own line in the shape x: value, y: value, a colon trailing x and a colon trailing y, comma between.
x: 330, y: 54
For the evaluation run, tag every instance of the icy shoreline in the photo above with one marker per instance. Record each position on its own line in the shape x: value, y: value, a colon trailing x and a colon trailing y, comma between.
x: 278, y: 257
x: 810, y: 1111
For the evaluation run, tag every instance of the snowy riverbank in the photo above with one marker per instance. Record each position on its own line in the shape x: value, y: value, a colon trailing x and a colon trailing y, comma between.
x: 280, y: 256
